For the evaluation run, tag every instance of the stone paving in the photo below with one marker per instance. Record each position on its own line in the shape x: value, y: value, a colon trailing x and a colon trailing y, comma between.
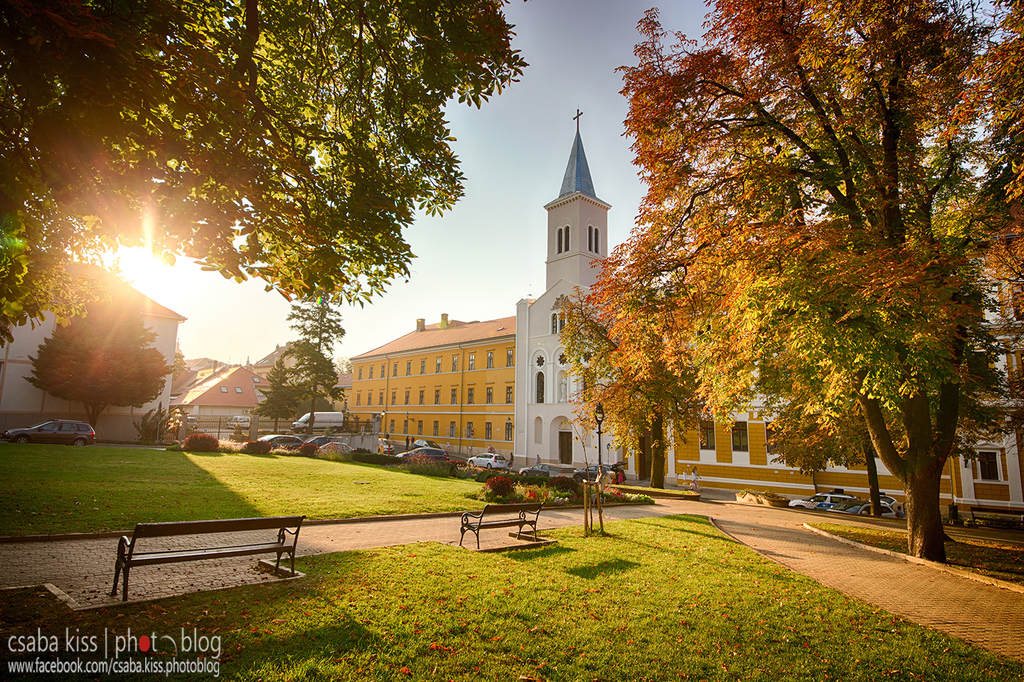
x: 983, y: 614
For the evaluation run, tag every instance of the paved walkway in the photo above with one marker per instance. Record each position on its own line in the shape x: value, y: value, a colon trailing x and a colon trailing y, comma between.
x: 985, y: 615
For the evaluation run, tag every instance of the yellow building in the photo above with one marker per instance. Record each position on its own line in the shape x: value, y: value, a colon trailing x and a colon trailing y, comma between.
x: 452, y: 383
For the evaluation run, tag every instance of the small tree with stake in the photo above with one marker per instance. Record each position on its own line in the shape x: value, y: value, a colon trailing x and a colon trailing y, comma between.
x: 102, y: 359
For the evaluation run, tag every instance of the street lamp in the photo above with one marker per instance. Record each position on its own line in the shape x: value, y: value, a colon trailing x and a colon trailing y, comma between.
x: 599, y: 417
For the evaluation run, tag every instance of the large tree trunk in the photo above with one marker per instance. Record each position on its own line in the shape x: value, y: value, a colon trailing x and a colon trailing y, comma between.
x: 657, y: 452
x: 93, y: 412
x: 924, y: 522
x: 873, y: 492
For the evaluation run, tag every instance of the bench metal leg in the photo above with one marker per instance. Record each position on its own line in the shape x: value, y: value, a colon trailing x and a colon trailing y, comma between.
x: 293, y: 561
x: 277, y: 563
x: 117, y: 574
x: 124, y: 589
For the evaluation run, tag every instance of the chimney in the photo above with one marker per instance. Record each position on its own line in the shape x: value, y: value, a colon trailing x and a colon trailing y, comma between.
x: 444, y: 320
x: 421, y: 324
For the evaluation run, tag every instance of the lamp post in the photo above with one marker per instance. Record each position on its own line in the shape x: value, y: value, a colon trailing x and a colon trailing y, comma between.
x: 599, y: 417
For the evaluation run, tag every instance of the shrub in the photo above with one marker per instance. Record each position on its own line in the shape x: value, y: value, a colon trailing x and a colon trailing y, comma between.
x: 428, y: 467
x: 566, y: 484
x: 335, y: 453
x: 308, y: 450
x: 281, y: 452
x: 200, y: 442
x: 256, y: 447
x: 499, y: 486
x: 174, y: 447
x: 367, y: 457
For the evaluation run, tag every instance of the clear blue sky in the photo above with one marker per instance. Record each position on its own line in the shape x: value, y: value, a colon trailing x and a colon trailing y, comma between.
x: 476, y: 261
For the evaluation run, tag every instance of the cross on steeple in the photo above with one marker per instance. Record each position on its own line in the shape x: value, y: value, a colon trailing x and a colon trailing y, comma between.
x: 577, y: 118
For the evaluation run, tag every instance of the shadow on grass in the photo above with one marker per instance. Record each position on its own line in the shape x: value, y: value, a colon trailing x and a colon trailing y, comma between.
x: 547, y: 552
x: 591, y: 571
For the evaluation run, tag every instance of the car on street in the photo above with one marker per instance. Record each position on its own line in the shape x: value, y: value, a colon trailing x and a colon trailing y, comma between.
x: 863, y: 508
x: 436, y: 454
x: 61, y: 431
x: 821, y: 500
x: 423, y: 443
x: 242, y: 421
x: 321, y: 441
x: 283, y: 441
x: 488, y: 460
x: 590, y: 473
x: 548, y: 470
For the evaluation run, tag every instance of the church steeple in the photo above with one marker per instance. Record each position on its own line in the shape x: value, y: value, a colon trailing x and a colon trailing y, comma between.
x: 577, y: 172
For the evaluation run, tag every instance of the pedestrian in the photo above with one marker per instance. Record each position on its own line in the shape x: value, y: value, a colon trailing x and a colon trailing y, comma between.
x: 538, y: 459
x: 696, y: 479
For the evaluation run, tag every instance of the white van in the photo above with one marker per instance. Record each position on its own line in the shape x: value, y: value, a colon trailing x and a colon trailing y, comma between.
x: 241, y: 420
x: 324, y: 421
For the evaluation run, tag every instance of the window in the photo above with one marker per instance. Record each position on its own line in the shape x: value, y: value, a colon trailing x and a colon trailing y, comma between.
x: 771, y: 438
x: 380, y: 398
x: 405, y: 426
x: 455, y: 396
x: 487, y: 430
x: 707, y: 435
x: 469, y: 395
x: 561, y: 321
x: 509, y: 390
x: 508, y: 430
x: 437, y: 398
x: 419, y: 428
x: 451, y: 430
x: 540, y: 387
x: 509, y: 358
x: 408, y: 367
x: 394, y: 400
x: 381, y: 371
x: 407, y: 397
x: 371, y: 371
x: 490, y: 359
x: 554, y: 323
x: 455, y: 363
x: 489, y: 395
x: 988, y: 466
x: 540, y: 360
x: 255, y: 380
x: 590, y: 237
x: 358, y: 398
x: 437, y: 366
x: 597, y: 240
x: 360, y: 376
x: 559, y: 245
x: 238, y: 389
x: 472, y: 361
x: 421, y: 397
x: 436, y: 425
x: 1017, y: 300
x: 369, y: 398
x: 469, y: 429
x: 392, y: 429
x: 739, y: 437
x: 394, y: 370
x: 223, y: 389
x: 69, y: 427
x: 423, y: 366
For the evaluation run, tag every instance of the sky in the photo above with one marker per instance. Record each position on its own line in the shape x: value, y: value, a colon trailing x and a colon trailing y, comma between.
x: 488, y: 252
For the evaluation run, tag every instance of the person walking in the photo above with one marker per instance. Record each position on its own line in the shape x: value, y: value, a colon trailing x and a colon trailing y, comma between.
x: 696, y: 479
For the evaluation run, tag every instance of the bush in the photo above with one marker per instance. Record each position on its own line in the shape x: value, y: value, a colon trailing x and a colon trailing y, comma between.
x: 566, y: 484
x: 308, y: 450
x: 428, y: 467
x: 499, y: 486
x: 200, y: 442
x: 367, y: 457
x: 174, y: 447
x: 256, y: 447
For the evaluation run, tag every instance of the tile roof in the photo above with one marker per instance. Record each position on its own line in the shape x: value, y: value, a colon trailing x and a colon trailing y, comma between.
x: 455, y: 332
x: 208, y: 392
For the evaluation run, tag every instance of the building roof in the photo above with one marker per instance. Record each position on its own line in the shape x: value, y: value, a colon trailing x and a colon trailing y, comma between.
x: 577, y: 172
x: 344, y: 380
x: 209, y: 392
x: 272, y: 357
x: 455, y: 332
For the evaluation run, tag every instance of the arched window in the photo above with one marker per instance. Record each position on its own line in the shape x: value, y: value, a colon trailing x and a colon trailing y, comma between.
x: 590, y: 237
x: 538, y: 430
x: 559, y: 241
x: 566, y: 238
x: 540, y: 387
x: 597, y: 240
x: 554, y: 323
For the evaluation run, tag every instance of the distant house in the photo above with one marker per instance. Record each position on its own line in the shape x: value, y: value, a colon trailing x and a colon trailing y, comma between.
x: 345, y: 384
x: 22, y: 404
x: 230, y: 391
x: 263, y: 366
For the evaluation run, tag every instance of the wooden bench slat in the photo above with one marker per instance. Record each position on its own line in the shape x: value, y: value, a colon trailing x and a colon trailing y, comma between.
x: 505, y: 508
x: 212, y: 553
x: 474, y: 521
x: 168, y: 528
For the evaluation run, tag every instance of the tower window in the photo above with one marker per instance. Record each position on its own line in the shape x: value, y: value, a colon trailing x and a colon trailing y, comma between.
x: 559, y: 249
x: 597, y: 240
x: 554, y: 323
x: 540, y: 387
x: 590, y: 237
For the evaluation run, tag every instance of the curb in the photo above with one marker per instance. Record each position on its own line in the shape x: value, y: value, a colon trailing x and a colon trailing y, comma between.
x: 59, y: 537
x: 963, y: 573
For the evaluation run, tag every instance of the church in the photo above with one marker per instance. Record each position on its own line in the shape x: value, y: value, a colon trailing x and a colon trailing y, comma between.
x: 503, y: 384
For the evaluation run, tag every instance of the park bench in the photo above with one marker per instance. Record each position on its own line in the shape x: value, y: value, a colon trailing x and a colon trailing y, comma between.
x: 128, y: 556
x: 1005, y: 518
x: 476, y: 521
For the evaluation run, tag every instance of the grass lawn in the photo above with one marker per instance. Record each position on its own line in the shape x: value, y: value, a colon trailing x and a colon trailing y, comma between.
x: 988, y: 557
x: 663, y: 598
x: 55, y: 488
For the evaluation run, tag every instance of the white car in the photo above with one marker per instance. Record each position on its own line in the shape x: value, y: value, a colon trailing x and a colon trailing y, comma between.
x: 488, y: 461
x: 821, y: 501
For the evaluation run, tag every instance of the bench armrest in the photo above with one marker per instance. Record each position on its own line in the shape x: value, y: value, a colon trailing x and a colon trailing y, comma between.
x: 124, y: 547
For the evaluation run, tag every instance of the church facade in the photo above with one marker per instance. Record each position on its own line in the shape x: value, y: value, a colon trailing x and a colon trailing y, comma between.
x: 504, y: 384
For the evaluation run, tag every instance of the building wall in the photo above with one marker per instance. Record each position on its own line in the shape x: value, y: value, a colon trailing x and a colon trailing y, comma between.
x: 410, y: 374
x: 22, y: 404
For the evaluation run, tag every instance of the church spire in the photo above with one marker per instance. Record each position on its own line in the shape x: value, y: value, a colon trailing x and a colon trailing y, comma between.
x: 577, y: 173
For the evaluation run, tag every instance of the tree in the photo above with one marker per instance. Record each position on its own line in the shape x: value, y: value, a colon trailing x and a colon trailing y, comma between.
x: 288, y: 141
x: 621, y: 365
x: 102, y: 359
x: 319, y: 328
x: 281, y: 398
x: 809, y: 202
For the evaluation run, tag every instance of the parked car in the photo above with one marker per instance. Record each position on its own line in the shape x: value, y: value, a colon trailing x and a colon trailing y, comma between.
x: 386, y: 447
x: 63, y: 431
x: 548, y: 470
x: 241, y: 420
x: 427, y: 453
x: 423, y: 443
x: 590, y: 473
x: 321, y: 441
x: 324, y: 421
x: 283, y: 441
x: 489, y: 460
x: 863, y: 508
x: 821, y: 500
